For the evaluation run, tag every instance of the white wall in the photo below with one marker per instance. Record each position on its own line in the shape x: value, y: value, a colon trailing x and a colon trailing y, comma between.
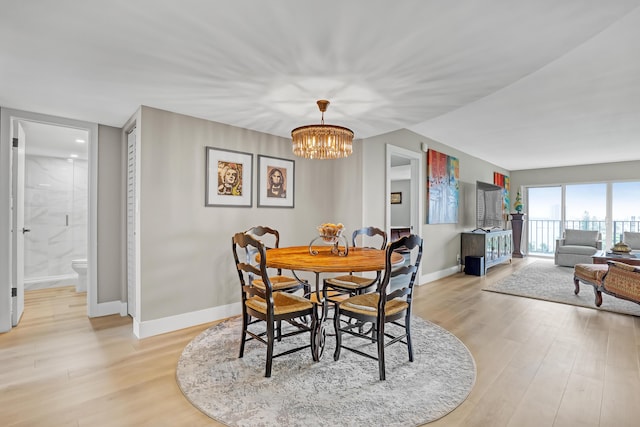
x: 441, y: 241
x: 604, y: 172
x: 186, y: 256
x: 185, y: 247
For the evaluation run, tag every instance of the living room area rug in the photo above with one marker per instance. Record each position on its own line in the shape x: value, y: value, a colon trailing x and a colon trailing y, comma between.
x: 347, y: 392
x: 546, y: 281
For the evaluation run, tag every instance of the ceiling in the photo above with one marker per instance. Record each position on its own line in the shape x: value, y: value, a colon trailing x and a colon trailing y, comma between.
x: 522, y: 84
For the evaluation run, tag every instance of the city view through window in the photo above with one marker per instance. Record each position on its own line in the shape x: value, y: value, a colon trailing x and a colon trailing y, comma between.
x: 609, y: 208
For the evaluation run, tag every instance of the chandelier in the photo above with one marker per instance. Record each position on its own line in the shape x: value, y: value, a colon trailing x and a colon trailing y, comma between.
x: 322, y: 141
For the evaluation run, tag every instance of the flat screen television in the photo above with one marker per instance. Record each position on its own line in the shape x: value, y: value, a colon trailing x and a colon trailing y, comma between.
x: 489, y: 205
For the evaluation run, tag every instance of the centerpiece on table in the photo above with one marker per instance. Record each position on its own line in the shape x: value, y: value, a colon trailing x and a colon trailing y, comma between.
x: 331, y: 233
x: 621, y: 248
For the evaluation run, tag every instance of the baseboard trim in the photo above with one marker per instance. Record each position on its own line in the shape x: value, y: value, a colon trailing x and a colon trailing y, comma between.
x: 164, y: 325
x: 57, y: 278
x: 426, y: 278
x: 150, y: 328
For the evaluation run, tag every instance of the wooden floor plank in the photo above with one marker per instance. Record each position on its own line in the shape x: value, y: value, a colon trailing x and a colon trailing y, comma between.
x: 538, y: 363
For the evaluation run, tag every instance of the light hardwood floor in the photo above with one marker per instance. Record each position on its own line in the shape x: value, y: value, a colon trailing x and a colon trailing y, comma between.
x: 538, y: 363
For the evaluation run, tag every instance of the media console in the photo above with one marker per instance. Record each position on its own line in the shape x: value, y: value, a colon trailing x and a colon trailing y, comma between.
x: 494, y: 245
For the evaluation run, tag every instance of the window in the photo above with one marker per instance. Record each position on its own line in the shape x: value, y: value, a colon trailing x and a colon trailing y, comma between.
x: 544, y: 217
x: 625, y: 208
x: 586, y: 208
x: 610, y: 208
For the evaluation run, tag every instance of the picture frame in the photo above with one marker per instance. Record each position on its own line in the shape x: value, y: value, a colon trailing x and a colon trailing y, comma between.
x: 228, y: 178
x: 396, y: 198
x: 276, y: 182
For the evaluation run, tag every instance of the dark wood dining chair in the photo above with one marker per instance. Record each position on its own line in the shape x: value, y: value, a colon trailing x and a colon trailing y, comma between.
x: 351, y: 284
x: 279, y: 281
x: 382, y: 308
x: 264, y: 305
x: 270, y: 237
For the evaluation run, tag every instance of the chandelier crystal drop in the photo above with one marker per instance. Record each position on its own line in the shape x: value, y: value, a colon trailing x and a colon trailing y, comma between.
x: 322, y: 141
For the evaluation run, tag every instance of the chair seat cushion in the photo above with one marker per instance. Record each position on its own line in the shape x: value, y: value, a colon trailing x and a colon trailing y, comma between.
x: 350, y: 282
x: 591, y: 273
x: 278, y: 283
x: 367, y: 304
x: 577, y: 250
x: 282, y: 302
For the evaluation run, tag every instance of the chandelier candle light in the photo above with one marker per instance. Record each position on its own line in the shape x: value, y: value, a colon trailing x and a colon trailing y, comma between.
x: 322, y: 141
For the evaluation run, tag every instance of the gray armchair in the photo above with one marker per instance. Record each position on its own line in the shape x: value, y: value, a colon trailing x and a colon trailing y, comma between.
x: 577, y: 247
x: 632, y: 239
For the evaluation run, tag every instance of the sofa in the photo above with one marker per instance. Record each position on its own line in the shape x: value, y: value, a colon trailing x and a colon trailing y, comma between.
x: 632, y: 239
x: 577, y: 247
x: 614, y: 278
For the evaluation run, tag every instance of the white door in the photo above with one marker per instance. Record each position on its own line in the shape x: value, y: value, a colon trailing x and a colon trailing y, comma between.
x: 131, y: 224
x: 18, y: 228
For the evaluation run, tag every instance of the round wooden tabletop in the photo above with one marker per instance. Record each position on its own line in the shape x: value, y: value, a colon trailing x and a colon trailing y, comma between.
x: 358, y: 259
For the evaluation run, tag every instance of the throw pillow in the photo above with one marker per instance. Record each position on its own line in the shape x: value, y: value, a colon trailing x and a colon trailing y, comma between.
x: 631, y: 239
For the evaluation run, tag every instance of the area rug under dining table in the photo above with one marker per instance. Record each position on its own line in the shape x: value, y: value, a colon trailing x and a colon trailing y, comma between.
x: 546, y: 281
x: 346, y: 392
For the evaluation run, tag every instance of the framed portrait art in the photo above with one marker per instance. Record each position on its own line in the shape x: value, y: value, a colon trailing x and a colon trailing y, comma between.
x: 228, y: 178
x: 276, y: 182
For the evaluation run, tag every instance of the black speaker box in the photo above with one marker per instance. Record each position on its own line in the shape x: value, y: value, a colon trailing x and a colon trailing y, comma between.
x: 474, y: 265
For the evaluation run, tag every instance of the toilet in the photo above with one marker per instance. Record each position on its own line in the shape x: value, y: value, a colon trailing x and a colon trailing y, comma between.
x: 80, y: 267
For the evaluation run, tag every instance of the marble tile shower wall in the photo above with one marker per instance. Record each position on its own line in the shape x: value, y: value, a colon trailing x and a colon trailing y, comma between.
x: 56, y: 211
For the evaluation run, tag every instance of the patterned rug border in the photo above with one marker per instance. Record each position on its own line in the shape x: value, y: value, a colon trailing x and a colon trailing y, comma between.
x: 215, y: 380
x: 533, y: 281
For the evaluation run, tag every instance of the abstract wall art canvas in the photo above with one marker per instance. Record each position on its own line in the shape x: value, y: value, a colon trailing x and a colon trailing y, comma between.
x: 503, y: 181
x: 443, y: 188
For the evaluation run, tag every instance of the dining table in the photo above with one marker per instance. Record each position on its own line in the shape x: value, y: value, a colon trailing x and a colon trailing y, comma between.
x: 326, y: 259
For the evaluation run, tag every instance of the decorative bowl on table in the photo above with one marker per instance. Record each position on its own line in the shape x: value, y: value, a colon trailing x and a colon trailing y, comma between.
x: 330, y: 232
x: 621, y: 248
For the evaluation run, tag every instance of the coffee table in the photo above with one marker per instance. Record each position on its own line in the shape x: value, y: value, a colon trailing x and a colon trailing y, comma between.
x: 602, y: 257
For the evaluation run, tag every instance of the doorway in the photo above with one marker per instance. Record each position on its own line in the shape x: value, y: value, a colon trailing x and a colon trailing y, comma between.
x: 45, y: 152
x: 404, y: 208
x: 55, y: 206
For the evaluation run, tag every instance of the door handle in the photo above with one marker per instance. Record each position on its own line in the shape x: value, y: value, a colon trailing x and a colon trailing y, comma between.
x: 25, y: 230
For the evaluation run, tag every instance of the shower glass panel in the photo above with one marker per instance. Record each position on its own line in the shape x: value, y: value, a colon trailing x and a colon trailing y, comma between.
x: 56, y: 211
